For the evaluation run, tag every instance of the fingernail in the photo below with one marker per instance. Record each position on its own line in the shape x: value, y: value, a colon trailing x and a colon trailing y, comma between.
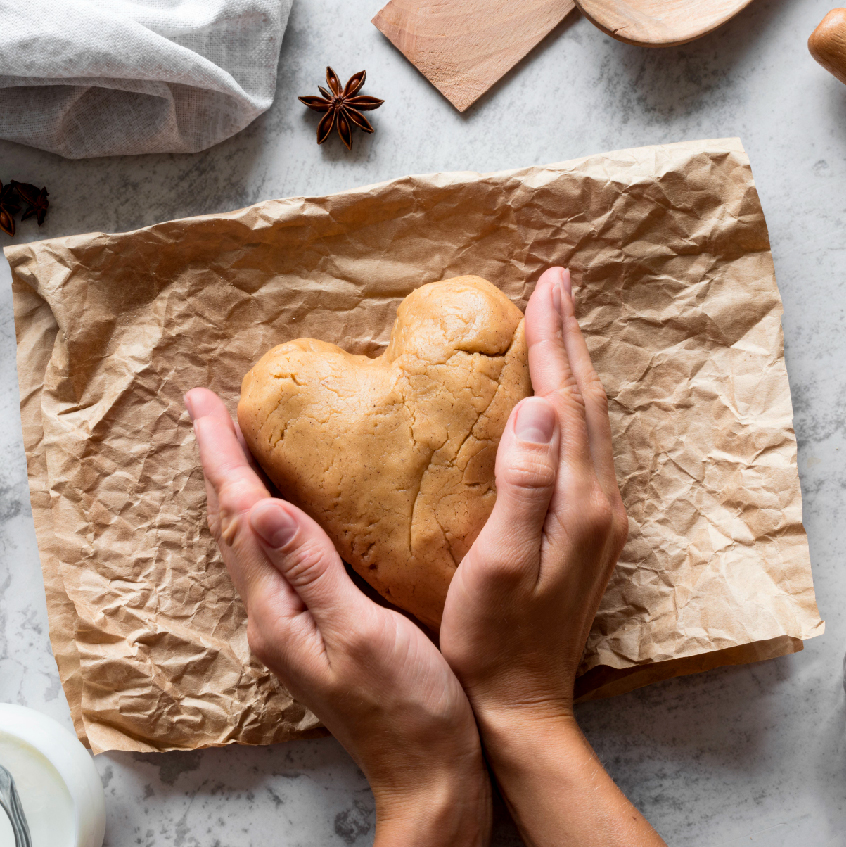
x: 535, y: 422
x: 276, y: 526
x: 557, y: 311
x: 567, y: 282
x: 564, y: 293
x: 562, y: 296
x: 189, y: 405
x: 196, y: 425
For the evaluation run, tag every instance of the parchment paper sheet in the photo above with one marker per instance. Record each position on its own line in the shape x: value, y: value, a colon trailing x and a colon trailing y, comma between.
x: 674, y: 288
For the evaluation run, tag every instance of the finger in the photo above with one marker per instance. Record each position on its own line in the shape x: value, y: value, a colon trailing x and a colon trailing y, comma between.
x: 552, y: 376
x: 251, y: 461
x: 593, y: 394
x: 194, y: 403
x: 526, y: 471
x: 276, y: 612
x: 232, y: 488
x: 202, y: 403
x: 302, y: 552
x: 212, y: 506
x: 224, y: 461
x: 242, y: 442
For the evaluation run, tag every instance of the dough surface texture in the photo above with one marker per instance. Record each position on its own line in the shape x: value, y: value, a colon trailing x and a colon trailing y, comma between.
x: 394, y: 456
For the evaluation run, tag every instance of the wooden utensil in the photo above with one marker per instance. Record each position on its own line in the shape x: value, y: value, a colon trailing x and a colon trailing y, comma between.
x: 659, y: 23
x: 463, y: 47
x: 828, y: 43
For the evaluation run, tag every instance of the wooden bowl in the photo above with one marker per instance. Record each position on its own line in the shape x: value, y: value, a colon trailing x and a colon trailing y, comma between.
x: 659, y: 23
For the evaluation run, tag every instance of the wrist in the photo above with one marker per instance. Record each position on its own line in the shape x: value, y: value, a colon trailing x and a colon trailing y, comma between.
x: 507, y: 715
x: 445, y: 807
x: 553, y: 783
x: 518, y: 739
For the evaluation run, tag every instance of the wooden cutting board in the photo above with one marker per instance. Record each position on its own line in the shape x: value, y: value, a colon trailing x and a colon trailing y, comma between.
x: 464, y: 46
x: 659, y: 23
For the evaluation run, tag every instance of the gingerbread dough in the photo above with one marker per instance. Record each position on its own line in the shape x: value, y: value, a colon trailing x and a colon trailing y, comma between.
x: 394, y: 456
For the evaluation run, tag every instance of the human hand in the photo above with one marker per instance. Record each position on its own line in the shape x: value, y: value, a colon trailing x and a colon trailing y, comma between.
x: 522, y: 602
x: 523, y: 599
x: 371, y: 676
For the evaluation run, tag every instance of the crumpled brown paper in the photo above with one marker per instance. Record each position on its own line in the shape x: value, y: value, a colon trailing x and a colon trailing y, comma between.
x: 675, y: 291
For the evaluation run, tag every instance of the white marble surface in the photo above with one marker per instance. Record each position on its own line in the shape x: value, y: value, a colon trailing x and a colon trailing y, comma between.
x: 753, y: 755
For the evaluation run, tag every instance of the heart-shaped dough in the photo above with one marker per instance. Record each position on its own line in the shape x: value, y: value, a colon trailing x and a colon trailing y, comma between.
x: 394, y: 456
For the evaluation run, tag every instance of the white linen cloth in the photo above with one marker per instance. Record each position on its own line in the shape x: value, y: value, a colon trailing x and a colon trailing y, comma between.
x: 89, y: 78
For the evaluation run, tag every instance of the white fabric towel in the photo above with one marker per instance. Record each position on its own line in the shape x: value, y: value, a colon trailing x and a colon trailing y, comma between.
x: 114, y: 77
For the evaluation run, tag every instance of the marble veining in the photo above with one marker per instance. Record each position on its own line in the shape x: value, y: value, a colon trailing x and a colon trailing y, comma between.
x: 753, y: 755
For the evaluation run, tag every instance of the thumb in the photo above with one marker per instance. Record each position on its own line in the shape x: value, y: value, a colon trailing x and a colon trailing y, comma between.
x: 302, y: 552
x: 526, y: 472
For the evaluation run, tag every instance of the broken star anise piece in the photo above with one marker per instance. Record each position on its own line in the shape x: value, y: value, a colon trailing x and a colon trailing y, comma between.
x: 35, y: 199
x: 342, y: 107
x: 9, y: 207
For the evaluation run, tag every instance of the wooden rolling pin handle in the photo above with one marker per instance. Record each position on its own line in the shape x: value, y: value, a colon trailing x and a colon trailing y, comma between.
x: 828, y: 43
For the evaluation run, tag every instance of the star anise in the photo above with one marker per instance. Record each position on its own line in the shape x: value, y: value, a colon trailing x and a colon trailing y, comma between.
x: 35, y: 199
x: 9, y: 207
x: 342, y: 107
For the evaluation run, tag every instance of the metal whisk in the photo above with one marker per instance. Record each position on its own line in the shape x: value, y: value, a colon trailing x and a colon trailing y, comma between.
x: 10, y: 801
